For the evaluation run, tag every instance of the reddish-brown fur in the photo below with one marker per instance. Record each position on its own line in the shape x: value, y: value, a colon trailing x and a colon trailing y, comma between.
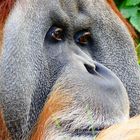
x: 4, y: 135
x: 56, y: 103
x: 5, y: 7
x: 129, y: 130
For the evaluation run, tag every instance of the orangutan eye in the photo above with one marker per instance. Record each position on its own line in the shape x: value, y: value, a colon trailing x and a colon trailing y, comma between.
x: 83, y: 38
x: 57, y: 33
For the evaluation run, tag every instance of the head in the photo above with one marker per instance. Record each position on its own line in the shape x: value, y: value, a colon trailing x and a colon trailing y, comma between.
x: 79, y: 49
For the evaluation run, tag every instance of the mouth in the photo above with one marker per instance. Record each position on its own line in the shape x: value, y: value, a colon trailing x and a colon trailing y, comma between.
x: 92, y: 132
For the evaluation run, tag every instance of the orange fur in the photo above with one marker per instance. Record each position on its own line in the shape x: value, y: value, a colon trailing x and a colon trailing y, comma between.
x: 5, y: 7
x: 57, y: 102
x: 4, y: 135
x: 129, y: 130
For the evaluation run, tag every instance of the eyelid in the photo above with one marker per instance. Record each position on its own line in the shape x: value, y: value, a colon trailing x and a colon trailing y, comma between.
x: 87, y: 33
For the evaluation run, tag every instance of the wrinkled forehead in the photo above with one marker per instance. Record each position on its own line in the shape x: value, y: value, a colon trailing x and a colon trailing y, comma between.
x: 66, y: 3
x: 74, y: 13
x: 70, y: 7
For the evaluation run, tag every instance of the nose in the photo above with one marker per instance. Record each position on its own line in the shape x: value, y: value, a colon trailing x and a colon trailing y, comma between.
x: 96, y: 68
x: 89, y: 65
x: 91, y: 68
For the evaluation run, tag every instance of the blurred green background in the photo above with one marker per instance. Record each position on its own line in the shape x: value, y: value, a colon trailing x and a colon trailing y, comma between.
x: 130, y: 9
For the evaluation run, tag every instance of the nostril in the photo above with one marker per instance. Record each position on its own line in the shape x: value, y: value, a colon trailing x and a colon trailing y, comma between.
x: 90, y: 69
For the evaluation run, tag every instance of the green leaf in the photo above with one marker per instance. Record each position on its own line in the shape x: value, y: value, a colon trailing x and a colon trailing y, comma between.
x: 138, y: 53
x: 128, y: 12
x: 118, y: 2
x: 132, y: 2
x: 135, y: 21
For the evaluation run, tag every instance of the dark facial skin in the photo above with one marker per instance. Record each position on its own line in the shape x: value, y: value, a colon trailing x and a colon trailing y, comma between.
x: 70, y: 44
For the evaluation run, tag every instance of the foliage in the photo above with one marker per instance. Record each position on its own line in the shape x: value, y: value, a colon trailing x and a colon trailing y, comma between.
x: 138, y: 52
x: 130, y: 9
